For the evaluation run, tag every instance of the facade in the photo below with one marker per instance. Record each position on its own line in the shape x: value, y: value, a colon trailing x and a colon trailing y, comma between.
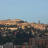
x: 1, y: 46
x: 38, y: 43
x: 13, y: 28
x: 43, y: 43
x: 9, y: 45
x: 10, y: 22
x: 33, y: 42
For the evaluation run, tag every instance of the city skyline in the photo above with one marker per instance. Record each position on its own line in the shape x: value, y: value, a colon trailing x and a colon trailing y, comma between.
x: 21, y: 20
x: 26, y: 10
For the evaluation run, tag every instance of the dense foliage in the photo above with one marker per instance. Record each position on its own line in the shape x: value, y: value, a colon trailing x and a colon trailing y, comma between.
x: 21, y: 36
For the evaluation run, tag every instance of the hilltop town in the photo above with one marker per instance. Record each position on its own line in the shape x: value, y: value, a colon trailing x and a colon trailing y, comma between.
x: 21, y: 23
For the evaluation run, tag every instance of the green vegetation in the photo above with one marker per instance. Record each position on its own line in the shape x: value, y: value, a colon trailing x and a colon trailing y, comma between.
x: 2, y: 26
x: 22, y: 35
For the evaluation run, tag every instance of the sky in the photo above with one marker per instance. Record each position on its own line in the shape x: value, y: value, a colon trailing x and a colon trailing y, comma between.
x: 26, y: 10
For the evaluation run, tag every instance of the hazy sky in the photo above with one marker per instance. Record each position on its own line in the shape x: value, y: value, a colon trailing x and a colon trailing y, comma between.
x: 27, y: 10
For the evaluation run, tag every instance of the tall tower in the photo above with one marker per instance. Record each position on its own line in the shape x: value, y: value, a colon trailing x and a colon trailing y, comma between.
x: 39, y: 22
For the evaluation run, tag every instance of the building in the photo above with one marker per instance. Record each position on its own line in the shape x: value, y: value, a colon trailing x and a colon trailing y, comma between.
x: 11, y: 22
x: 9, y: 45
x: 33, y: 42
x: 1, y: 46
x: 38, y: 43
